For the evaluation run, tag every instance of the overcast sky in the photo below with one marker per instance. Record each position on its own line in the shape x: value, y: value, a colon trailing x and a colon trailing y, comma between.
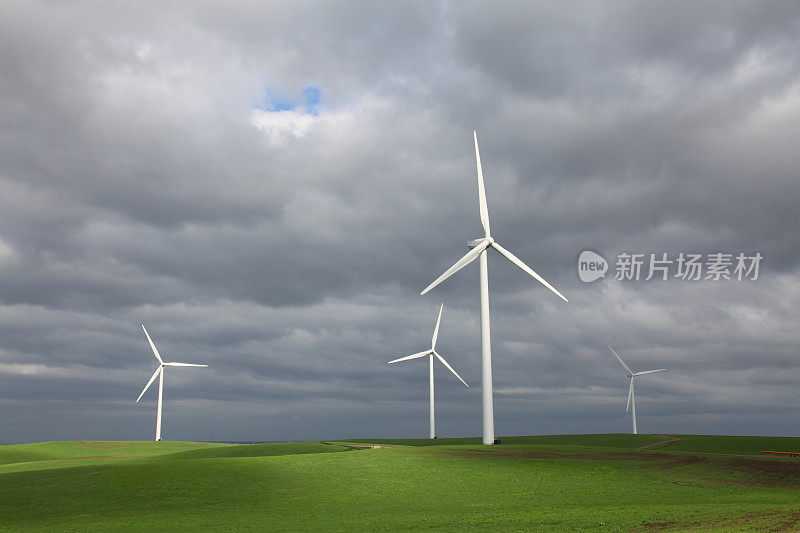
x: 268, y: 186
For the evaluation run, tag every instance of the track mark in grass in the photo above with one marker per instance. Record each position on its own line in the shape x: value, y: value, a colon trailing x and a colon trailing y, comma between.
x: 659, y: 525
x: 669, y: 440
x: 102, y: 457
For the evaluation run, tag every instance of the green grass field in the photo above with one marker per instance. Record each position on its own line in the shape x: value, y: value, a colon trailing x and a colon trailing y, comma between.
x: 542, y: 483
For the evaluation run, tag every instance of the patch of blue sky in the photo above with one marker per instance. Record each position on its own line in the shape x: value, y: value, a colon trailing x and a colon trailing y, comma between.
x: 313, y: 98
x: 308, y: 103
x: 277, y: 105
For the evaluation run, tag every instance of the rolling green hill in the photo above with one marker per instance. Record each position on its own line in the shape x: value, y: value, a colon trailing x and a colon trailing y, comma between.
x: 69, y: 451
x: 548, y: 483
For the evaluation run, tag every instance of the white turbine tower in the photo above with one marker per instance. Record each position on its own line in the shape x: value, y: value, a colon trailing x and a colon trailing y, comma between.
x: 479, y: 247
x: 631, y: 374
x: 431, y: 353
x: 160, y: 374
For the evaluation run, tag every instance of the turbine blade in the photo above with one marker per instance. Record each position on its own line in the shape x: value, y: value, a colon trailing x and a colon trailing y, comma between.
x: 461, y: 263
x: 481, y: 190
x: 152, y: 379
x: 153, y: 346
x: 445, y: 363
x: 413, y: 356
x: 649, y: 372
x: 436, y: 330
x: 517, y: 261
x: 630, y: 393
x: 621, y: 361
x: 183, y: 364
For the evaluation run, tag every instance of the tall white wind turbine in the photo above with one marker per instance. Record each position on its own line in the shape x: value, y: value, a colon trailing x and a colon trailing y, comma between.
x: 160, y: 374
x: 431, y: 353
x: 479, y: 248
x: 631, y: 374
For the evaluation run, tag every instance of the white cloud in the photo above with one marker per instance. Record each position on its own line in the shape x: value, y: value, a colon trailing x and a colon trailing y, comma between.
x: 278, y: 126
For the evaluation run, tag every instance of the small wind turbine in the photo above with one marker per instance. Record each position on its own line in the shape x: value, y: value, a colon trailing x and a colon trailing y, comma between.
x: 479, y: 247
x: 631, y: 374
x: 430, y: 353
x: 160, y: 374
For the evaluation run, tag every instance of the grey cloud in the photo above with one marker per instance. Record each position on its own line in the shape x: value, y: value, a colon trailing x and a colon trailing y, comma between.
x: 143, y: 180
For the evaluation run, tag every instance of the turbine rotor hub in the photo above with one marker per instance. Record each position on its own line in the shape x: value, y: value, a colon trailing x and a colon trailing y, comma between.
x: 477, y: 242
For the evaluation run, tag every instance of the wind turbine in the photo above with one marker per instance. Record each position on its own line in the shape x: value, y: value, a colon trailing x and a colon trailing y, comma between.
x: 631, y: 374
x: 160, y: 374
x: 431, y: 353
x: 479, y: 247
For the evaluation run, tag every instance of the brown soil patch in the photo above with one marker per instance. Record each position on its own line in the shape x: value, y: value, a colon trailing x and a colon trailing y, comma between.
x: 754, y: 521
x: 729, y: 470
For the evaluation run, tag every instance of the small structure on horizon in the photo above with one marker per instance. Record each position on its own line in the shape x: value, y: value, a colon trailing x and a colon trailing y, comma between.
x: 790, y: 454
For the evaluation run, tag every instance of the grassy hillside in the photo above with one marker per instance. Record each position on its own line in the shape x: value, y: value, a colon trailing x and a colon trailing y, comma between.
x: 66, y: 450
x: 571, y: 482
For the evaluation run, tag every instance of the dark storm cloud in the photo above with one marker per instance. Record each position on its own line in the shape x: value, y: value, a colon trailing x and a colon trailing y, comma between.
x: 146, y: 176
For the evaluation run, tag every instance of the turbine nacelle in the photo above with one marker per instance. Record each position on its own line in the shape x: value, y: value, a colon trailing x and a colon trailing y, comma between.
x: 478, y: 246
x: 477, y: 242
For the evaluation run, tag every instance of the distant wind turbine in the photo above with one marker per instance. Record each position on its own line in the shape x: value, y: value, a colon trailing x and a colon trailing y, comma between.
x: 631, y: 374
x: 479, y: 247
x: 431, y: 353
x: 160, y: 374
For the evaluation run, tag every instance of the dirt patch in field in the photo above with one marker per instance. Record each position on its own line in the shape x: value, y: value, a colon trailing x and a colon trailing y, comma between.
x: 677, y: 467
x: 762, y: 473
x: 753, y: 521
